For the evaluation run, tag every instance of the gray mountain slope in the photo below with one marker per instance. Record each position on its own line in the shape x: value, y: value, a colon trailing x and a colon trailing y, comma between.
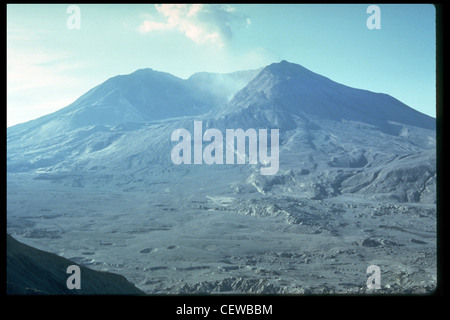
x: 142, y: 96
x: 332, y: 131
x: 33, y: 271
x: 284, y: 91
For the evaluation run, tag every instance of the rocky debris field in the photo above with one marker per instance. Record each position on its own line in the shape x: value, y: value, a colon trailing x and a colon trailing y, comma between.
x: 234, y: 244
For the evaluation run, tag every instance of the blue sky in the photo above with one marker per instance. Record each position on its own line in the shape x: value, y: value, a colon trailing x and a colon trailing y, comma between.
x: 50, y: 65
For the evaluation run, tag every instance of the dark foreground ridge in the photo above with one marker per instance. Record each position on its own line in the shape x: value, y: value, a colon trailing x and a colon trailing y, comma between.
x: 33, y: 271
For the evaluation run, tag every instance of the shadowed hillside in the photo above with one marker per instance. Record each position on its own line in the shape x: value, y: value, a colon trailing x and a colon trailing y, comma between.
x: 33, y: 271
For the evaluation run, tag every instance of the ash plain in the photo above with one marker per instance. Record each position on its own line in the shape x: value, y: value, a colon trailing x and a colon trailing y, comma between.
x: 225, y: 241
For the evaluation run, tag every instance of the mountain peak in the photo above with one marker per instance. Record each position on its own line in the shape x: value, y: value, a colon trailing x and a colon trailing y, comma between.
x: 289, y: 90
x: 147, y: 74
x: 287, y: 68
x: 142, y: 70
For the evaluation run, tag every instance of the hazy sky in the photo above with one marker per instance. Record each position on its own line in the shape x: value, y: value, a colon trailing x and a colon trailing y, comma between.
x: 50, y: 63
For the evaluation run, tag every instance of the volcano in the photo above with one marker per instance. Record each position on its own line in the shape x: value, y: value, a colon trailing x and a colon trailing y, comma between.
x: 356, y: 185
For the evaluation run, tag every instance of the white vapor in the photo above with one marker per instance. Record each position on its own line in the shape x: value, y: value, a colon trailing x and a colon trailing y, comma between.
x: 202, y: 23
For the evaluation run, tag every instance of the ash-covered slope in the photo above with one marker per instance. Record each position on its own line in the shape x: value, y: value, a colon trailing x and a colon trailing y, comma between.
x: 33, y: 271
x: 336, y: 139
x: 142, y: 96
x: 122, y: 104
x: 283, y: 92
x: 333, y: 139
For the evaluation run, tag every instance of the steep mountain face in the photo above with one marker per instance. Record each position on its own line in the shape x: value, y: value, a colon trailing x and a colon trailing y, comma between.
x: 284, y: 92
